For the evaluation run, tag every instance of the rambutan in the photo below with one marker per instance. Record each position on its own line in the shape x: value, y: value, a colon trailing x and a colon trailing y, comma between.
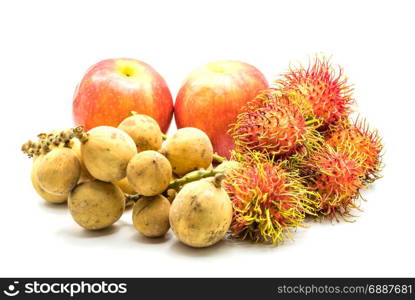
x: 357, y: 137
x: 325, y: 89
x: 274, y: 123
x: 337, y: 177
x: 268, y: 200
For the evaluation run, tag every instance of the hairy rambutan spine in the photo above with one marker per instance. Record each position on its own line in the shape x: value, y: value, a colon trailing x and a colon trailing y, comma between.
x: 268, y: 200
x: 338, y: 177
x: 357, y: 137
x: 274, y: 123
x: 324, y: 87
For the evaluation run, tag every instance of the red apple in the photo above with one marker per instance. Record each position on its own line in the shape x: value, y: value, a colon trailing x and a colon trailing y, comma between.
x: 112, y: 88
x: 212, y: 96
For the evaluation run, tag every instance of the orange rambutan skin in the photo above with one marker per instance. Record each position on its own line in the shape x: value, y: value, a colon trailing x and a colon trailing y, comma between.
x: 270, y: 123
x: 337, y: 177
x: 325, y: 89
x: 358, y: 138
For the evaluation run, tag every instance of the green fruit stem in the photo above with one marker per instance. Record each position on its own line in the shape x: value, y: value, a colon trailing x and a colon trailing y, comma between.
x: 218, y: 158
x: 176, y: 184
x: 193, y: 176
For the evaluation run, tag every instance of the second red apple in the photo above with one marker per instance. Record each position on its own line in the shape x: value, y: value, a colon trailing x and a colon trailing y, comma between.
x: 212, y: 96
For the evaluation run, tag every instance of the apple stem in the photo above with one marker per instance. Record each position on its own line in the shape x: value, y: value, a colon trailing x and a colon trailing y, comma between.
x: 133, y: 113
x: 218, y: 158
x: 163, y: 136
x: 47, y: 140
x: 194, y: 176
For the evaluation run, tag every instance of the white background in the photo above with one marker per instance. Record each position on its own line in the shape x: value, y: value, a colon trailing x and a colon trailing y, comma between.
x: 46, y: 46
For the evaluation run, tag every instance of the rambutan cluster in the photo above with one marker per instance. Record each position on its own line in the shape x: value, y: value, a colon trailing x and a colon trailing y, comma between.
x: 300, y: 154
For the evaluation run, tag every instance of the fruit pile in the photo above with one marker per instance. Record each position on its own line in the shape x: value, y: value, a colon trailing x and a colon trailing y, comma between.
x: 301, y: 154
x: 296, y: 154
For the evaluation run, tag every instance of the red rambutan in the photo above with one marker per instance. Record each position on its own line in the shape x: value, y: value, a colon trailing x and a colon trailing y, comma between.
x: 325, y: 89
x: 268, y: 200
x: 337, y: 177
x: 274, y: 123
x: 357, y: 137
